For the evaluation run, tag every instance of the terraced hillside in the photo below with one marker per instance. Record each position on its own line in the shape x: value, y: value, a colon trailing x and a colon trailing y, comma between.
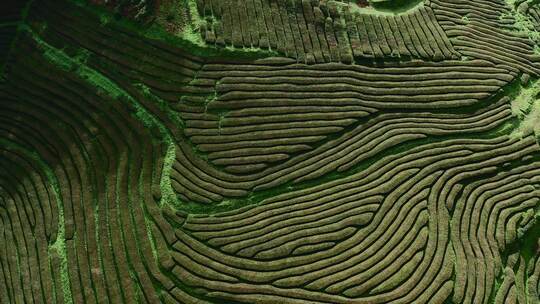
x: 270, y: 151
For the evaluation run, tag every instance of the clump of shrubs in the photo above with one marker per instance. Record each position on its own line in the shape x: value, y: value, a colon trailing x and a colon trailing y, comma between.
x: 139, y: 10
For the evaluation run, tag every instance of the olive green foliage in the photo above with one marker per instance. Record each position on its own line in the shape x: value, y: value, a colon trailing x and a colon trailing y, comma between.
x: 139, y: 10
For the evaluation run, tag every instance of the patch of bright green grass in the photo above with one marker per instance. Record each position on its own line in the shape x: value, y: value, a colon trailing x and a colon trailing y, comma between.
x: 381, y: 8
x: 526, y: 106
x: 523, y: 23
x: 395, y: 6
x: 162, y: 104
x: 192, y: 28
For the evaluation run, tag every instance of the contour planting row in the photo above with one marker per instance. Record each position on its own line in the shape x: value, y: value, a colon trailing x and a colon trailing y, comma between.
x: 117, y: 52
x: 11, y: 14
x: 7, y: 33
x: 534, y: 13
x: 100, y: 165
x: 417, y: 84
x: 283, y: 137
x: 323, y: 31
x: 361, y: 143
x: 486, y: 29
x: 417, y: 178
x: 519, y: 282
x: 247, y: 129
x: 484, y: 224
x: 347, y: 259
x: 28, y: 220
x: 533, y: 278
